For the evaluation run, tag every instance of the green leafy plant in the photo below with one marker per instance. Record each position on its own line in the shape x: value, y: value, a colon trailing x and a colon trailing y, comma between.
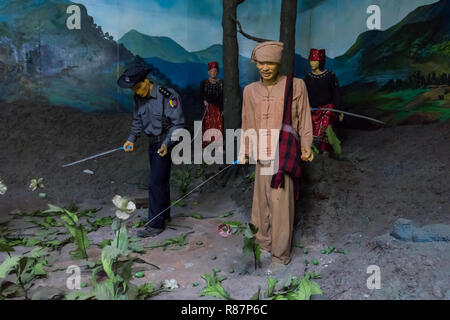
x: 10, y: 241
x: 175, y: 243
x: 250, y: 247
x: 201, y: 170
x: 104, y: 243
x: 99, y: 223
x: 314, y: 149
x: 251, y: 177
x: 50, y: 241
x: 178, y: 203
x: 135, y: 246
x: 183, y: 179
x: 139, y: 224
x: 293, y: 288
x: 333, y: 140
x: 89, y: 213
x: 236, y: 226
x: 116, y: 264
x: 75, y: 228
x: 47, y: 223
x: 214, y: 287
x: 226, y: 214
x: 27, y: 267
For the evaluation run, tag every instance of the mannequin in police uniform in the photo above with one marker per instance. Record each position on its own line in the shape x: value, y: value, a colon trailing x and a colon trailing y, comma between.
x: 157, y: 112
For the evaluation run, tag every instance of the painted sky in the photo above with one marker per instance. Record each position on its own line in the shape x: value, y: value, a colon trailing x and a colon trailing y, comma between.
x: 196, y: 24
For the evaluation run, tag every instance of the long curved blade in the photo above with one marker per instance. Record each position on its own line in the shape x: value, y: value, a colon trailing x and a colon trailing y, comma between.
x: 92, y: 157
x: 350, y: 114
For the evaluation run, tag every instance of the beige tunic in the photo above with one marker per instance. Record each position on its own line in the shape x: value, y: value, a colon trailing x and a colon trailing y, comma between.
x: 273, y: 209
x: 261, y: 110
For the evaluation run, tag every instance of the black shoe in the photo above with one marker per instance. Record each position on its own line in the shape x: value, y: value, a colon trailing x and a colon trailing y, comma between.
x: 143, y: 220
x: 149, y: 232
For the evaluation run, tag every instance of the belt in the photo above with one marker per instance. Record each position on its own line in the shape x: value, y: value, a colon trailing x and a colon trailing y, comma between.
x: 157, y: 139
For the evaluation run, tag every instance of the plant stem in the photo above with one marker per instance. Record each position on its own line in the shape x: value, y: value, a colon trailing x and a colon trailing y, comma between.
x: 254, y: 257
x: 21, y: 283
x: 82, y: 243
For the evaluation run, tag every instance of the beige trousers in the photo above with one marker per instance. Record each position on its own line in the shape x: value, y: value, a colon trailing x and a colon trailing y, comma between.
x: 273, y: 214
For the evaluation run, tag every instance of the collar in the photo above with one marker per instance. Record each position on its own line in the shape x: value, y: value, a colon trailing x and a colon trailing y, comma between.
x: 278, y: 82
x: 279, y: 78
x: 154, y: 91
x: 318, y: 76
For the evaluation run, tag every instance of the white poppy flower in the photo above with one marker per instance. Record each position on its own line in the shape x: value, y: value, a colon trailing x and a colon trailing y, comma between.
x: 117, y: 201
x: 124, y: 206
x: 3, y: 188
x: 122, y: 215
x: 36, y: 183
x: 171, y: 284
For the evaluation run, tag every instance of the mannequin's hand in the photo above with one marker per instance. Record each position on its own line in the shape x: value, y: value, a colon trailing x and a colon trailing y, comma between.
x: 128, y: 146
x: 307, y: 154
x: 341, y: 117
x: 243, y: 160
x: 162, y: 151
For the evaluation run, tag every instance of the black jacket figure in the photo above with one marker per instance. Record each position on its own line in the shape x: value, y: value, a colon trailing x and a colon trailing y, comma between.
x: 211, y: 92
x: 323, y: 93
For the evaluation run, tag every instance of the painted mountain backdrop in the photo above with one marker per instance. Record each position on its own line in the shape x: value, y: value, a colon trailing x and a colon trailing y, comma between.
x: 420, y: 42
x: 41, y: 57
x: 402, y: 74
x: 182, y: 67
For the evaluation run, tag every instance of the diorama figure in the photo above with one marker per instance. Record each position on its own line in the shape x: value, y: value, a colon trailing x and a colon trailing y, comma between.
x: 263, y: 108
x: 157, y: 112
x: 323, y: 92
x: 211, y: 91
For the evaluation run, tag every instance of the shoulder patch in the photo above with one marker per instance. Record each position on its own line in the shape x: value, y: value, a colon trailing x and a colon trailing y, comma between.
x: 173, y: 102
x: 165, y: 92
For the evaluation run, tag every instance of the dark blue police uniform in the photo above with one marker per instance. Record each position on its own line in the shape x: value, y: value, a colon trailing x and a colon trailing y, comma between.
x: 158, y: 116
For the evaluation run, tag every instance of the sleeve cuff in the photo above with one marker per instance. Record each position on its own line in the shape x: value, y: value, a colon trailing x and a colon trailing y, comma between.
x: 167, y: 142
x: 306, y: 142
x: 132, y: 138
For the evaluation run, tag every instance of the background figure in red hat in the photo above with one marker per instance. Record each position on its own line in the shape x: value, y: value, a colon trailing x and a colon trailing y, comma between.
x: 323, y: 92
x: 211, y: 91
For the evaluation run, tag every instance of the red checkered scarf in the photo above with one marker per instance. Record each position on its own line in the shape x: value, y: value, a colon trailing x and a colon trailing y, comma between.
x: 289, y: 150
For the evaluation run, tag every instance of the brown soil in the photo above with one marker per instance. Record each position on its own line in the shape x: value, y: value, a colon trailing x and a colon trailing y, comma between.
x: 350, y: 203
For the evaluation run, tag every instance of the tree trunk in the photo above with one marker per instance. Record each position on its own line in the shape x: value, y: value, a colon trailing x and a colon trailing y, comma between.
x: 287, y: 35
x: 231, y: 90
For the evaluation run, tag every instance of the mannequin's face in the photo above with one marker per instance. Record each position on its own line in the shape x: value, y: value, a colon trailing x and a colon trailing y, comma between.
x: 314, y: 65
x: 213, y: 73
x: 142, y: 88
x: 268, y: 70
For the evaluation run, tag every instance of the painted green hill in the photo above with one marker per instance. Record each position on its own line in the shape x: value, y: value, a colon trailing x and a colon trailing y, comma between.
x: 160, y: 47
x: 421, y: 41
x: 212, y: 53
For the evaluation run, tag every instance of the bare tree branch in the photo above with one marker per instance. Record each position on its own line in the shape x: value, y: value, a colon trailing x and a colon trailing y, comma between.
x: 246, y: 34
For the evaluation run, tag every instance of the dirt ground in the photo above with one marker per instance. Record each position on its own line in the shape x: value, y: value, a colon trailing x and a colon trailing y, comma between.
x: 351, y: 203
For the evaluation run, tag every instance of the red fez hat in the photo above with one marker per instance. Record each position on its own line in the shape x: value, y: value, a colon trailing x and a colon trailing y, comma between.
x: 212, y: 65
x: 317, y: 55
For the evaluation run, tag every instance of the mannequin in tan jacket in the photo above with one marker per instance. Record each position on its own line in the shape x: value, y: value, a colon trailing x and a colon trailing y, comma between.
x: 263, y: 105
